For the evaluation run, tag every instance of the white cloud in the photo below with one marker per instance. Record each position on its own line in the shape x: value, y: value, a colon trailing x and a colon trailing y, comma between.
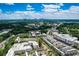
x: 61, y: 4
x: 74, y: 9
x: 29, y: 7
x: 9, y: 3
x: 51, y: 7
x: 49, y: 12
x: 72, y: 13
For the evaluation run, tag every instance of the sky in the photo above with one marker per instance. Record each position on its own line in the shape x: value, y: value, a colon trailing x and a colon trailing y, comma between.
x: 39, y: 11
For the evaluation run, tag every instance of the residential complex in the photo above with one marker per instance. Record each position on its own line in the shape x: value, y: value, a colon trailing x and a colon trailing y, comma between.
x: 60, y: 47
x: 24, y: 47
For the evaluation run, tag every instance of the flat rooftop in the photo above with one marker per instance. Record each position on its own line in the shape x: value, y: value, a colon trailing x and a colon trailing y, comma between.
x: 65, y: 36
x: 24, y: 46
x: 61, y: 46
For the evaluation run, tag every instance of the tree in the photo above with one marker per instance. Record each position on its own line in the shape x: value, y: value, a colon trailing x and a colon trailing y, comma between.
x: 1, y: 51
x: 40, y: 42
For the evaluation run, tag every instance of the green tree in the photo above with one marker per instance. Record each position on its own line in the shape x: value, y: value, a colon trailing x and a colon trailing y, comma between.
x: 1, y: 51
x: 40, y: 42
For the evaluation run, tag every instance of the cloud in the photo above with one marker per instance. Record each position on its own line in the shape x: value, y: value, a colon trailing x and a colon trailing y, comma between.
x: 54, y: 12
x: 74, y: 9
x: 50, y: 8
x: 29, y: 7
x: 9, y: 3
x: 48, y: 12
x: 60, y: 4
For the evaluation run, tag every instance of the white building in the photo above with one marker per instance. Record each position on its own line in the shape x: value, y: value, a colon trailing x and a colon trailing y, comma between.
x: 18, y: 39
x: 65, y: 38
x: 25, y: 47
x: 19, y: 47
x: 61, y: 48
x: 69, y: 50
x: 35, y: 33
x: 76, y: 44
x: 34, y: 44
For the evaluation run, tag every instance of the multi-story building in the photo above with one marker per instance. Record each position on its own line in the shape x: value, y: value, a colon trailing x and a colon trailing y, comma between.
x: 66, y: 38
x: 60, y: 47
x: 23, y: 48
